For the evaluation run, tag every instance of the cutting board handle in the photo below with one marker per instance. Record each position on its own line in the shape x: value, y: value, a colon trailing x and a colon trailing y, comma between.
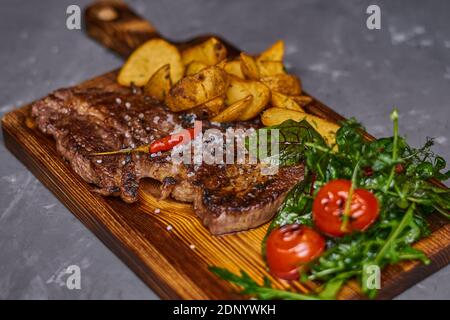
x: 117, y: 27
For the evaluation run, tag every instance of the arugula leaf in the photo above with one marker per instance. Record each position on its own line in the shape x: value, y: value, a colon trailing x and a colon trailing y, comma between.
x: 396, y: 173
x: 263, y: 292
x: 292, y: 136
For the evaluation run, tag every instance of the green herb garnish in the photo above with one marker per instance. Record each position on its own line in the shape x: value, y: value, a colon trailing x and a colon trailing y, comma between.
x: 263, y: 292
x: 396, y: 173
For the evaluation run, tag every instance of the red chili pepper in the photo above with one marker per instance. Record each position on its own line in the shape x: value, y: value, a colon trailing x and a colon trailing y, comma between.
x: 159, y: 145
x: 167, y: 143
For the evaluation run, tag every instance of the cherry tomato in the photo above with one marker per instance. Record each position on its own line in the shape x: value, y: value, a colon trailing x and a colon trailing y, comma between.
x: 329, y: 204
x: 289, y: 247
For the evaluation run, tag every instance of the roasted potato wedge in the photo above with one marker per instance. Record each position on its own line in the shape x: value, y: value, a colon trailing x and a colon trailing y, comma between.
x: 327, y: 129
x: 240, y: 89
x: 249, y: 67
x: 197, y: 89
x: 302, y: 100
x: 209, y: 109
x: 195, y: 67
x: 159, y: 84
x: 234, y: 67
x: 210, y: 52
x: 284, y: 83
x: 147, y: 59
x: 274, y: 53
x: 234, y: 111
x: 270, y: 68
x: 280, y: 100
x: 215, y: 105
x: 222, y: 64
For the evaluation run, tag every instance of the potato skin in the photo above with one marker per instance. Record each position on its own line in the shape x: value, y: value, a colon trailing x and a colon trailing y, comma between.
x: 214, y: 106
x: 147, y: 59
x: 209, y: 52
x: 283, y: 83
x: 197, y: 89
x: 302, y: 100
x: 273, y: 53
x: 195, y: 67
x: 240, y: 89
x: 209, y: 109
x: 270, y: 68
x: 234, y: 111
x: 159, y: 84
x: 280, y: 100
x: 249, y: 67
x: 234, y: 67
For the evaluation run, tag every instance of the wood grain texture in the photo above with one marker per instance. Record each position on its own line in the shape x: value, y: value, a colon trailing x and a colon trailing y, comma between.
x: 111, y: 20
x: 165, y: 260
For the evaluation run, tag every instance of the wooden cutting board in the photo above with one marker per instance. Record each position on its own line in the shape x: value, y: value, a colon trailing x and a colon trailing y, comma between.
x: 167, y: 260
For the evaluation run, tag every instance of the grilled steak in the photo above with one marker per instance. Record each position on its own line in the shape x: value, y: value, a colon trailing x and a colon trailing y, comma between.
x: 94, y: 120
x: 83, y: 120
x: 238, y: 197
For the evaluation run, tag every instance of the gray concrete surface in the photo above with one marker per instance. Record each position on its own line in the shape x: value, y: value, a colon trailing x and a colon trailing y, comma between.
x: 358, y: 72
